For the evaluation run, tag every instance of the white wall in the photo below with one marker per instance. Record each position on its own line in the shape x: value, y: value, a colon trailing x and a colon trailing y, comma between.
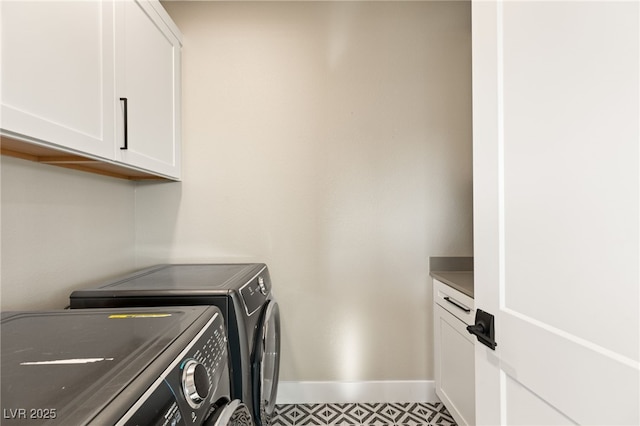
x: 331, y: 140
x: 61, y: 229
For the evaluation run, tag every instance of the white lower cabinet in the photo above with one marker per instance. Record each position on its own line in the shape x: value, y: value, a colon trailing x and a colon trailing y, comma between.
x: 69, y: 67
x: 454, y: 352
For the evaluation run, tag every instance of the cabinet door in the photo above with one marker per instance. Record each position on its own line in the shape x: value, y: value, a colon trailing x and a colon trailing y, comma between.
x: 148, y: 67
x: 57, y: 74
x: 454, y: 366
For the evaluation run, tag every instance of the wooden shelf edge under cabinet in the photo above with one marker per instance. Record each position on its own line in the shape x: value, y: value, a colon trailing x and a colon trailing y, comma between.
x: 13, y: 147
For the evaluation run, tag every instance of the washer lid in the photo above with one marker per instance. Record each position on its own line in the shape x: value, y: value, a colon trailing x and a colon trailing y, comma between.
x: 75, y: 362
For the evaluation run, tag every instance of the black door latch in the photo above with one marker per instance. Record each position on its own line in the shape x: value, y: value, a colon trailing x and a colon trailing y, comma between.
x: 484, y: 329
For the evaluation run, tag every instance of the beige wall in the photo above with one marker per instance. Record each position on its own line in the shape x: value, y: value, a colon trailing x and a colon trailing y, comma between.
x: 331, y: 140
x: 61, y: 229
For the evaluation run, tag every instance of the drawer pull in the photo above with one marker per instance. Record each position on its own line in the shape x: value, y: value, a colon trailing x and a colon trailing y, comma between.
x: 457, y: 305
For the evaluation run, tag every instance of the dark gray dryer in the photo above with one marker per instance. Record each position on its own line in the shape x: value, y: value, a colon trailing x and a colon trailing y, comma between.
x: 243, y: 294
x: 124, y: 366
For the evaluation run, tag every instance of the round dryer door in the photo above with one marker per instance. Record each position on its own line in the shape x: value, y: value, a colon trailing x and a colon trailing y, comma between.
x: 234, y: 413
x: 266, y: 364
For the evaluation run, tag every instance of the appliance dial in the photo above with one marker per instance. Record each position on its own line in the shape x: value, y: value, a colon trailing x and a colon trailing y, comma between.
x: 195, y: 383
x: 263, y: 287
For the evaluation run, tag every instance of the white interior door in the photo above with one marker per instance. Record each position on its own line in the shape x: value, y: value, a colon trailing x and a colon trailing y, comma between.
x: 556, y: 204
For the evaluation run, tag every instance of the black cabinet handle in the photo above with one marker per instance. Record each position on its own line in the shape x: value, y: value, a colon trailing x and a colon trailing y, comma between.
x: 126, y: 125
x: 457, y: 305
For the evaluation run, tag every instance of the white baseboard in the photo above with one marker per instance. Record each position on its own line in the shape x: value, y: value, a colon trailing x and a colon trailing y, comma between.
x: 351, y: 392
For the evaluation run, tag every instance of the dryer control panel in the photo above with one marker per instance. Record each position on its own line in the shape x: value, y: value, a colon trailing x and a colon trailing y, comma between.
x: 255, y: 292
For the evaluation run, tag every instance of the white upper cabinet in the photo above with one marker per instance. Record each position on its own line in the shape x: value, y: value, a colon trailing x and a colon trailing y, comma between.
x: 58, y: 74
x: 148, y: 77
x: 67, y: 68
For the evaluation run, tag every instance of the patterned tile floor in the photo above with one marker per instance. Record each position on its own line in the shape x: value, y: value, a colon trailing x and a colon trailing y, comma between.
x: 375, y: 414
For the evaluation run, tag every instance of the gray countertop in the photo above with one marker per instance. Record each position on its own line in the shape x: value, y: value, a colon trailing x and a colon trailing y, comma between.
x: 456, y: 272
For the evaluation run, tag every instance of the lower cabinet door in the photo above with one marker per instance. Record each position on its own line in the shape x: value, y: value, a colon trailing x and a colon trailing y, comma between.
x: 454, y: 366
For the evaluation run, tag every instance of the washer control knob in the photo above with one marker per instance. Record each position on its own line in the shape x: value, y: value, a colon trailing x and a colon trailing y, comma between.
x: 195, y: 383
x: 263, y: 287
